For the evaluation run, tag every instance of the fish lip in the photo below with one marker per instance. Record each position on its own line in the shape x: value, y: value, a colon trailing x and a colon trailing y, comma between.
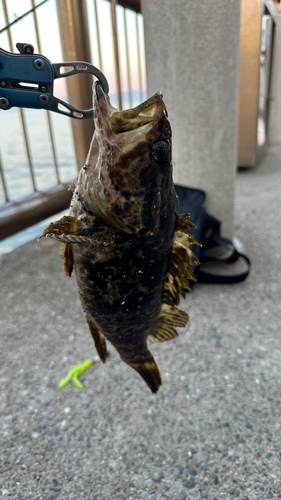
x: 101, y: 102
x: 148, y: 112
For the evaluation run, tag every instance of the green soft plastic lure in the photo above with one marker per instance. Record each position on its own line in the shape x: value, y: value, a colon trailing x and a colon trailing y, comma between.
x: 74, y: 372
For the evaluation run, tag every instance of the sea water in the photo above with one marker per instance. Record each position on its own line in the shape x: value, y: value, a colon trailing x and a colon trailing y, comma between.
x: 15, y: 163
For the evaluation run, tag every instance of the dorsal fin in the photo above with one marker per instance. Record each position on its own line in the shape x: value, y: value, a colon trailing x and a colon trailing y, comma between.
x: 184, y: 240
x: 174, y: 316
x: 99, y: 339
x: 67, y: 258
x: 179, y: 272
x: 182, y: 224
x: 162, y: 333
x: 169, y: 318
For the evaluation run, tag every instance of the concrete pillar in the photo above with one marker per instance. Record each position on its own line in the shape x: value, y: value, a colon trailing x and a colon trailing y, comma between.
x: 192, y: 55
x: 274, y: 129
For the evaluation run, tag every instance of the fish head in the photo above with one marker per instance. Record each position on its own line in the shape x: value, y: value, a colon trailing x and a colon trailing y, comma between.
x: 128, y: 173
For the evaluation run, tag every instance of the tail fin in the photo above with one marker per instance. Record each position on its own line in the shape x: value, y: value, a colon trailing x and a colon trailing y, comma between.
x: 149, y: 372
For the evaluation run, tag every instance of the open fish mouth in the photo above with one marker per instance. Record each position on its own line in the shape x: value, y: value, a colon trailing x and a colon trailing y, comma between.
x: 124, y: 121
x: 122, y: 164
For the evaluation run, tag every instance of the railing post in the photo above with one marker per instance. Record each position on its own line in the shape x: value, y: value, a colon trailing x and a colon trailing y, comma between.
x: 73, y: 22
x: 116, y: 53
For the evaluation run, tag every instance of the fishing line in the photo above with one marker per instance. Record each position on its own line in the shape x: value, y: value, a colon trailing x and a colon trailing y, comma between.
x: 21, y: 17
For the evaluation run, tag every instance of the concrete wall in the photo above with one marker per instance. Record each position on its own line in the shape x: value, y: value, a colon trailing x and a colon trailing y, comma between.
x: 274, y: 129
x: 192, y: 55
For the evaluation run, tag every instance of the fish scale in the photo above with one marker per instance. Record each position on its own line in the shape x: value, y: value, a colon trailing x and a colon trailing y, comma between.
x: 123, y: 237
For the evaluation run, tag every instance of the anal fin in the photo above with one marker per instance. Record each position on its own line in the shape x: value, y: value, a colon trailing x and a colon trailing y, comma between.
x: 99, y: 340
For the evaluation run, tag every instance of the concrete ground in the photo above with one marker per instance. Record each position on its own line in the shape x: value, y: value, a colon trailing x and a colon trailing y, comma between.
x: 213, y: 430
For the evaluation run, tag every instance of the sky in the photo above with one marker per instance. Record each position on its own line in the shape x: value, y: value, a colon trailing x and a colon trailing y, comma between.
x: 24, y: 31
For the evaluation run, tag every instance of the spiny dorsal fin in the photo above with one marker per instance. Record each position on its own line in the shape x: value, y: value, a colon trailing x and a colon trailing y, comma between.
x: 185, y: 239
x: 67, y: 258
x: 171, y: 290
x: 169, y: 317
x: 99, y: 339
x: 179, y: 272
x: 182, y: 224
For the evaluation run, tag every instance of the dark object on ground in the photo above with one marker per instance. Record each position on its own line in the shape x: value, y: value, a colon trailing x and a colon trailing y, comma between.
x: 220, y: 261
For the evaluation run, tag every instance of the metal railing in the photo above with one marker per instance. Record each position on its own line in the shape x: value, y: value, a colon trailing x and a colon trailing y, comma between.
x: 74, y: 16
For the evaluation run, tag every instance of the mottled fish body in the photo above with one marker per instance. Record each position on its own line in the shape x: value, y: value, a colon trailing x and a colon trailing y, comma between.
x: 129, y: 248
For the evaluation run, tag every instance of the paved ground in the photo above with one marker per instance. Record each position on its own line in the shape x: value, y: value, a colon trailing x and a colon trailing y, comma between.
x: 212, y: 432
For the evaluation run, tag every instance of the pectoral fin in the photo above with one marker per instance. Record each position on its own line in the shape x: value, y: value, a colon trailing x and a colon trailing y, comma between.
x: 70, y: 230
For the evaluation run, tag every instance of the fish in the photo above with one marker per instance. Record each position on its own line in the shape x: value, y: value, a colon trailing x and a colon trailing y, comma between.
x: 123, y: 237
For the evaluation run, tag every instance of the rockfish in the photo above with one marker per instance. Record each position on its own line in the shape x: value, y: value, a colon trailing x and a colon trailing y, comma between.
x: 124, y: 238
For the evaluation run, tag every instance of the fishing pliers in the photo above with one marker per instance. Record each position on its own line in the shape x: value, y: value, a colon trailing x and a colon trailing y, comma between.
x: 27, y: 81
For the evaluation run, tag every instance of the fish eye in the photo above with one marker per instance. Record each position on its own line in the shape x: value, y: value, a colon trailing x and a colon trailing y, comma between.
x: 161, y: 152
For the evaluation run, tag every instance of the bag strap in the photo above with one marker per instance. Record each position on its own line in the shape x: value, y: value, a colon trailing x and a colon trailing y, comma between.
x: 213, y: 239
x: 205, y: 277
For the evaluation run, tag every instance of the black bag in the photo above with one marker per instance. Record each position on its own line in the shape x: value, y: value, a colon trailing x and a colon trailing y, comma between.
x: 219, y: 261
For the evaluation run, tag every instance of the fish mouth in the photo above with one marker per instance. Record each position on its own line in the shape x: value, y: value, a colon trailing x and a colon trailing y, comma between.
x: 120, y: 161
x: 118, y: 122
